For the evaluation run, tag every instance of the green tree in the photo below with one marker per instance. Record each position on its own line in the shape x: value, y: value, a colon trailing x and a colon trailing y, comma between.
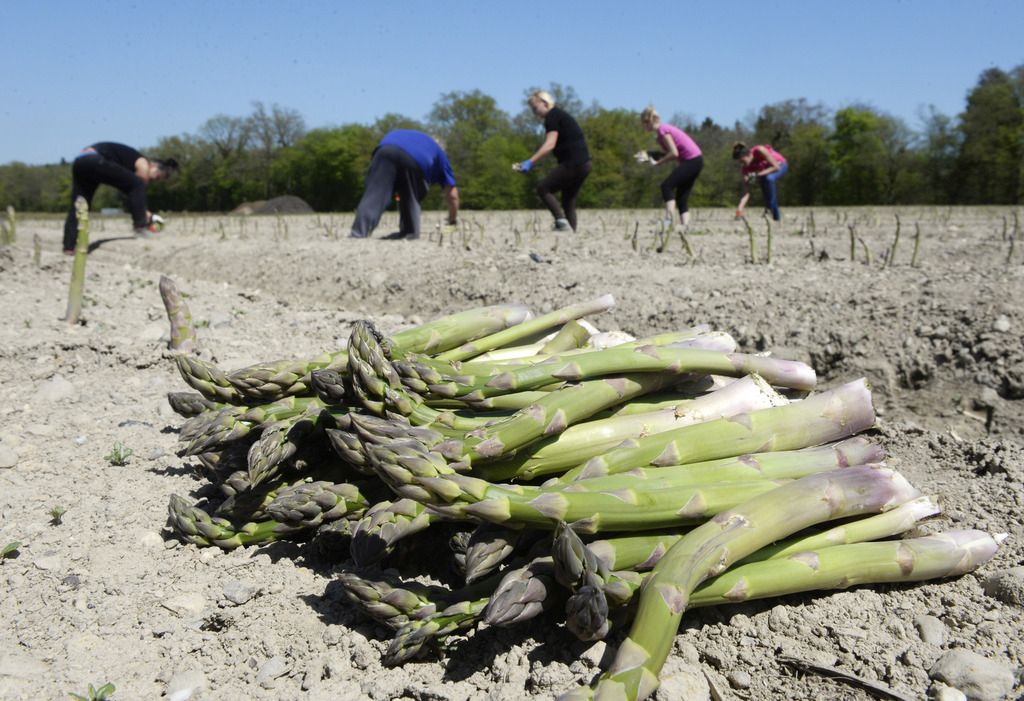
x: 992, y: 126
x: 326, y: 167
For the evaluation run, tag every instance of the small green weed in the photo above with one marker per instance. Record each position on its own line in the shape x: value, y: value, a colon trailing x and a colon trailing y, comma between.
x: 56, y: 514
x: 10, y: 550
x: 94, y: 694
x: 119, y: 454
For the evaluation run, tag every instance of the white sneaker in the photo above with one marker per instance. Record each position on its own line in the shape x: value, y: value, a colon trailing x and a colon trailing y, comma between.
x: 562, y: 225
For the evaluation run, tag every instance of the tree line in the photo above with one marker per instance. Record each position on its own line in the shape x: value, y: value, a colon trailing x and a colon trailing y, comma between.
x: 855, y: 155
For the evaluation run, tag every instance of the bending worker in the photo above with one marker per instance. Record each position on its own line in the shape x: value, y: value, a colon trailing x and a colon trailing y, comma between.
x: 406, y: 163
x: 109, y: 163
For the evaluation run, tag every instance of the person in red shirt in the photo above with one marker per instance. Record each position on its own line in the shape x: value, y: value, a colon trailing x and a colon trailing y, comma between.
x: 765, y: 165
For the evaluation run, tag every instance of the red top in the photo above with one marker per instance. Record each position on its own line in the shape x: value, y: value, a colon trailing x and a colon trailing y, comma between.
x: 759, y: 162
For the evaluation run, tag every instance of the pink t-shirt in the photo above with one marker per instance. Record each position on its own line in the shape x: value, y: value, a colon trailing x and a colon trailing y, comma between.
x: 686, y: 146
x: 760, y: 162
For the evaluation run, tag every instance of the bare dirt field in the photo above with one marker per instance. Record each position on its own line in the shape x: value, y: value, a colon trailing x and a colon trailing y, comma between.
x: 108, y: 594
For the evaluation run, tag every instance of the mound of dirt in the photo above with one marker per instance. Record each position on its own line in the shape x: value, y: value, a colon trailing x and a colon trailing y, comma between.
x: 286, y: 204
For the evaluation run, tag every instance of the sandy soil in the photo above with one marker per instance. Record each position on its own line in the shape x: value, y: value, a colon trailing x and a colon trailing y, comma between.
x: 109, y: 595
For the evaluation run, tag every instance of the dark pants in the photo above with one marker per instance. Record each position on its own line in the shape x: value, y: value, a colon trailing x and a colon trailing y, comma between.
x: 567, y: 180
x: 680, y: 181
x: 392, y: 171
x: 771, y: 196
x: 88, y: 173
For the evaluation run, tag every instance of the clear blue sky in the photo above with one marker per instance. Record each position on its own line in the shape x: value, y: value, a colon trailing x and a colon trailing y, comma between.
x: 72, y: 73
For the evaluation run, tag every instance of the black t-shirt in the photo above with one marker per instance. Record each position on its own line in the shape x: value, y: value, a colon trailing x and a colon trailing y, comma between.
x: 571, y: 147
x: 124, y: 156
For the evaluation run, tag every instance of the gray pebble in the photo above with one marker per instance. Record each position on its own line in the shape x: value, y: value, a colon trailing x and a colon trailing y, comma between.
x: 238, y: 592
x: 593, y: 654
x: 184, y: 683
x: 1006, y: 586
x: 685, y: 683
x: 1001, y: 324
x: 978, y: 677
x: 81, y: 440
x: 8, y: 457
x: 931, y: 629
x: 739, y: 679
x: 270, y: 670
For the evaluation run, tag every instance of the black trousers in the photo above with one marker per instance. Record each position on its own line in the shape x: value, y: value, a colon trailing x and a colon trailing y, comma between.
x: 568, y: 180
x: 680, y: 181
x: 392, y: 171
x: 88, y: 173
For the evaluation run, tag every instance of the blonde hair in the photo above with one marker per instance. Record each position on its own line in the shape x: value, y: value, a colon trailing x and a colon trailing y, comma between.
x: 543, y: 96
x: 650, y: 115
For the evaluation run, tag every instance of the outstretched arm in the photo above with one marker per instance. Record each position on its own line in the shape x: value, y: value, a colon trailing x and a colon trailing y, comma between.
x: 671, y: 155
x: 550, y: 139
x: 451, y: 194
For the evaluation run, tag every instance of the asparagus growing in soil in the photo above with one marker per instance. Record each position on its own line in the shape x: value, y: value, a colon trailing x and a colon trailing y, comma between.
x: 183, y: 331
x: 730, y: 536
x: 74, y: 310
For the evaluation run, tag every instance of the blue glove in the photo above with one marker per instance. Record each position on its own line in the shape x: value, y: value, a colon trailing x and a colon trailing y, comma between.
x: 525, y: 166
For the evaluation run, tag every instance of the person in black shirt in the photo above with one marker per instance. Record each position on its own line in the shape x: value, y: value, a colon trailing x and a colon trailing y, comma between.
x: 109, y: 163
x: 564, y: 137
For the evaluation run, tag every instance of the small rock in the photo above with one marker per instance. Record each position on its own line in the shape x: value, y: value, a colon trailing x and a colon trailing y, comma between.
x: 980, y: 678
x: 931, y: 629
x: 1006, y: 585
x: 184, y: 683
x: 81, y: 440
x: 271, y: 670
x: 239, y: 592
x: 155, y: 454
x: 593, y: 654
x: 8, y: 457
x: 940, y: 692
x: 186, y: 604
x: 1001, y: 324
x: 151, y: 539
x: 739, y: 679
x: 56, y: 389
x: 684, y: 683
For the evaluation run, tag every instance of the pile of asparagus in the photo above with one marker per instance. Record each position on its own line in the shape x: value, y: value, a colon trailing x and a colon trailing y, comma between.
x: 574, y: 474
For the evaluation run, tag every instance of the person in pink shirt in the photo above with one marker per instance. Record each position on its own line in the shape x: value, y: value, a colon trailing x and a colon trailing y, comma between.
x: 680, y: 149
x: 764, y: 164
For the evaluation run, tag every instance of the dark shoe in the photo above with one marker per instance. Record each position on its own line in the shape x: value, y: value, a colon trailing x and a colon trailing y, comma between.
x: 69, y: 251
x: 354, y: 235
x: 394, y: 236
x: 562, y: 225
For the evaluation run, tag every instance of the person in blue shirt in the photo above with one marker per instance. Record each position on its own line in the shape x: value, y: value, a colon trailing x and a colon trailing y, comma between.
x: 405, y: 163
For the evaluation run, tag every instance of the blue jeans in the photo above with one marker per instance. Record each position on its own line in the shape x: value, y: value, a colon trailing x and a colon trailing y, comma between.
x: 771, y: 197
